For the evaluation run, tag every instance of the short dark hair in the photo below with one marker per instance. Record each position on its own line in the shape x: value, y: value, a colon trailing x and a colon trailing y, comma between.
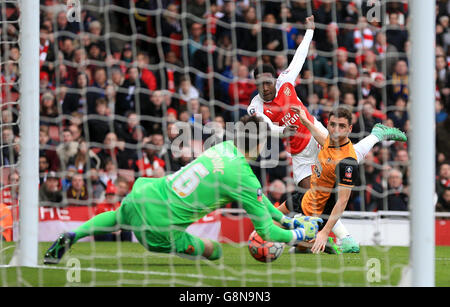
x: 101, y: 101
x: 342, y: 111
x: 264, y: 68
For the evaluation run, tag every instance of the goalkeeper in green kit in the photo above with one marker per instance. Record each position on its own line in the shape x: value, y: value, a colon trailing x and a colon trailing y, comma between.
x: 158, y: 210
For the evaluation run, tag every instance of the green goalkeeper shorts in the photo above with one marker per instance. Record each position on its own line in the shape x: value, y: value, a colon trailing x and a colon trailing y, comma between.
x: 151, y: 224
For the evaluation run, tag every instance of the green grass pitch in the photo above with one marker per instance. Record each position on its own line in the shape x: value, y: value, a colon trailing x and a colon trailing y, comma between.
x: 129, y: 264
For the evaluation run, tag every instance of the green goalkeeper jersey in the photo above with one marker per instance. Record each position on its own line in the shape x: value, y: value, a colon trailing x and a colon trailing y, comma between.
x: 219, y: 176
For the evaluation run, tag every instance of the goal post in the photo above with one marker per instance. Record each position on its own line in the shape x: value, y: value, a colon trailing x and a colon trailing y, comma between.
x: 422, y: 142
x: 26, y: 253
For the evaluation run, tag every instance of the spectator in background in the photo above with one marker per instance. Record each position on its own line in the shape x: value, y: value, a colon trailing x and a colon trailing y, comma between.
x: 280, y: 63
x: 67, y: 47
x: 187, y: 91
x: 171, y: 28
x: 98, y: 88
x: 196, y: 39
x: 441, y: 115
x: 249, y: 35
x: 443, y: 178
x: 50, y: 192
x: 63, y: 25
x: 100, y: 125
x: 366, y: 120
x: 8, y: 153
x: 77, y: 193
x: 123, y: 187
x: 156, y: 111
x: 85, y: 158
x: 399, y: 115
x: 277, y: 192
x: 443, y: 136
x: 398, y: 194
x: 66, y: 149
x: 127, y: 130
x: 95, y: 186
x: 109, y: 173
x: 44, y: 169
x: 382, y: 49
x: 110, y: 203
x: 10, y: 189
x: 147, y: 75
x: 272, y: 38
x: 350, y: 81
x: 168, y: 77
x: 66, y: 181
x: 443, y: 203
x: 47, y: 148
x: 77, y: 97
x: 149, y: 164
x: 203, y: 58
x: 48, y: 110
x: 320, y: 65
x: 443, y: 77
x: 401, y: 161
x: 399, y: 83
x: 240, y: 91
x: 133, y: 95
x: 396, y: 33
x: 342, y: 61
x: 9, y: 119
x: 115, y: 150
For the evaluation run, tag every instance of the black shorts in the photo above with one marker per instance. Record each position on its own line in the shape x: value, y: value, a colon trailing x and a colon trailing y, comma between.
x: 295, y: 205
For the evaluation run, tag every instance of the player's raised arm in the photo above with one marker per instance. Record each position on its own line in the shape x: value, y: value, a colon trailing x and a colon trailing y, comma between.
x: 315, y: 131
x: 296, y: 65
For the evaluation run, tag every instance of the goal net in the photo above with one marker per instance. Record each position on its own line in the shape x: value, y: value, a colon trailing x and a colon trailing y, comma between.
x: 122, y: 83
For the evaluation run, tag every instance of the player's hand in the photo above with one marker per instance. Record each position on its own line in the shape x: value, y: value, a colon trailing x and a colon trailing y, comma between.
x: 290, y: 130
x: 319, y: 244
x: 310, y: 23
x: 303, y: 118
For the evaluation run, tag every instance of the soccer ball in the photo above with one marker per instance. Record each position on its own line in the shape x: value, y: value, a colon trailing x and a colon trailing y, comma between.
x: 264, y: 251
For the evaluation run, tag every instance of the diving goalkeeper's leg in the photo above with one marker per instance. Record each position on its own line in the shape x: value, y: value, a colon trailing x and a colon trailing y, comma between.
x: 103, y: 223
x: 187, y: 244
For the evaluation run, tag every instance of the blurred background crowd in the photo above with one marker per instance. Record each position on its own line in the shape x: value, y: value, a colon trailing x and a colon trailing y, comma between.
x: 114, y: 85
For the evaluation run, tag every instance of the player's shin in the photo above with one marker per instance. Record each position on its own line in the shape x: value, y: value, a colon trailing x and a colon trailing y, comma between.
x: 103, y: 223
x: 340, y: 230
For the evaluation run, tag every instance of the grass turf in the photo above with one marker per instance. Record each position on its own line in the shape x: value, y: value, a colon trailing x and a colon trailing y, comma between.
x: 129, y: 264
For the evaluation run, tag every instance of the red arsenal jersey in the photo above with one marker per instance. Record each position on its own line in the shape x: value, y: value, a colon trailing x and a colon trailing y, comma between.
x: 278, y: 110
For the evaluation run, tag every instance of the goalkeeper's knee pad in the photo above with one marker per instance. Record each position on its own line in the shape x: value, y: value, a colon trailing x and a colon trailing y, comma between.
x: 217, y: 251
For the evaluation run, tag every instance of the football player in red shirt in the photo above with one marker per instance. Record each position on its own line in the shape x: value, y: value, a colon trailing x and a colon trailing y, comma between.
x: 278, y: 104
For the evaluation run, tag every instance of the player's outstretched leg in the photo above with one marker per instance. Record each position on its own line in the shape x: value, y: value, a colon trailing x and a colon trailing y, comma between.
x: 100, y: 224
x: 191, y: 245
x: 385, y: 133
x: 379, y: 133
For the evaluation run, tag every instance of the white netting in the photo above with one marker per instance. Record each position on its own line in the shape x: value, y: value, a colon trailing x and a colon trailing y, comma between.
x: 9, y: 126
x: 117, y: 75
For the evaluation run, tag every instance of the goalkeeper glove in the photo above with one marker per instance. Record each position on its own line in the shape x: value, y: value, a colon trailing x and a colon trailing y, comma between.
x: 289, y: 223
x: 307, y: 231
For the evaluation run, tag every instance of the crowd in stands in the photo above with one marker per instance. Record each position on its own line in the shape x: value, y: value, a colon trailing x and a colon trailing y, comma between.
x: 114, y: 85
